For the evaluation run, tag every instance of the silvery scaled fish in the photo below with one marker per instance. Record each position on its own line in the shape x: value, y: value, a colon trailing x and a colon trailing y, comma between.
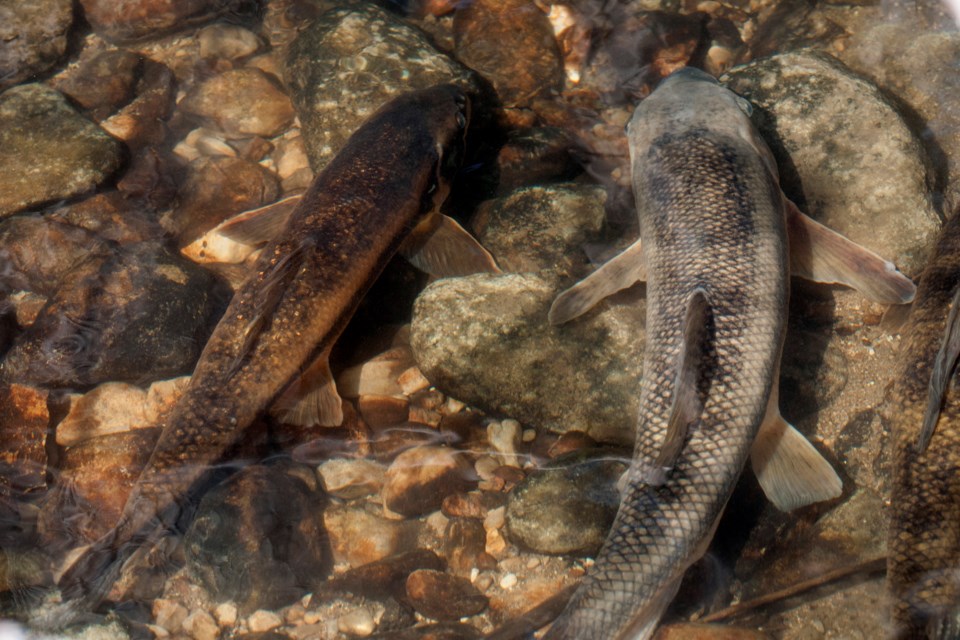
x: 381, y: 194
x: 714, y: 252
x: 923, y: 565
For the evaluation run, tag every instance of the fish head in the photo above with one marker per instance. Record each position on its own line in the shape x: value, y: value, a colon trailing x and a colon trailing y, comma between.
x: 446, y: 110
x: 691, y: 99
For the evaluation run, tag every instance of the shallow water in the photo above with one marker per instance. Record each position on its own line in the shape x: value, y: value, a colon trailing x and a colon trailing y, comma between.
x: 478, y: 459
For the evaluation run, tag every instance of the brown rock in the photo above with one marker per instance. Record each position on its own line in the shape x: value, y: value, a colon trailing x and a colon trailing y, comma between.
x: 465, y: 543
x: 143, y: 121
x: 111, y: 216
x: 383, y: 411
x: 33, y: 38
x: 349, y: 479
x: 475, y: 504
x: 100, y: 83
x: 535, y: 156
x: 391, y: 442
x: 570, y: 441
x: 96, y: 479
x: 385, y: 577
x: 377, y: 376
x: 442, y: 596
x: 241, y: 102
x: 227, y: 41
x: 135, y: 19
x: 419, y: 479
x: 511, y: 43
x: 359, y: 537
x: 23, y: 432
x: 215, y: 189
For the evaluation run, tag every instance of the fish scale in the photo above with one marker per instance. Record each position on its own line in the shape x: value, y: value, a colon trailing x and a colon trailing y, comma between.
x: 710, y: 218
x: 924, y: 534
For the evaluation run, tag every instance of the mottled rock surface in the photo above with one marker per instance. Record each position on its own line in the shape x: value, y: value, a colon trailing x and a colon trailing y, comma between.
x: 441, y: 596
x: 258, y: 539
x: 101, y: 82
x: 139, y: 315
x: 33, y: 38
x: 486, y: 340
x: 241, y: 102
x: 846, y: 155
x: 348, y: 63
x: 47, y: 150
x: 567, y: 508
x: 24, y: 420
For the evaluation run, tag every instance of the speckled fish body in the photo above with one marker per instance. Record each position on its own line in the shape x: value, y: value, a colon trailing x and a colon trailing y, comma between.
x: 923, y: 567
x: 305, y: 287
x: 713, y: 226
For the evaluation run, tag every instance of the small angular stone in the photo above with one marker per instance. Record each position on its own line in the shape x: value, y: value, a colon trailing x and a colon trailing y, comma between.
x: 419, y: 479
x: 349, y: 479
x: 383, y: 411
x: 260, y: 621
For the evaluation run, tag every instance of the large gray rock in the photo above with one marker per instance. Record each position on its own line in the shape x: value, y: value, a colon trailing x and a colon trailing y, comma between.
x: 47, y: 150
x: 845, y: 154
x: 33, y: 37
x: 348, y: 63
x: 485, y: 339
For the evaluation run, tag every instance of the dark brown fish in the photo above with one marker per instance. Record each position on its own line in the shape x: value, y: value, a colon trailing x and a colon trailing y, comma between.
x: 271, y: 346
x: 923, y: 569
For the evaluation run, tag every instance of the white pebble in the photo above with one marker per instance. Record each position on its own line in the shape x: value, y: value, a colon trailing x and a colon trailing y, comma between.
x: 201, y: 626
x: 495, y: 518
x: 226, y: 614
x: 508, y: 581
x: 358, y: 622
x: 529, y: 435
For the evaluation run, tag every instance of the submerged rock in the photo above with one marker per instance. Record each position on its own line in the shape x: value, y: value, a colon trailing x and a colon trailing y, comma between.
x: 845, y: 154
x: 47, y: 150
x: 33, y: 38
x: 258, y: 539
x: 24, y: 420
x: 567, y: 509
x: 511, y: 44
x: 348, y: 63
x: 241, y: 102
x: 441, y: 596
x: 420, y: 478
x: 136, y: 19
x: 101, y: 82
x: 139, y: 315
x: 485, y: 340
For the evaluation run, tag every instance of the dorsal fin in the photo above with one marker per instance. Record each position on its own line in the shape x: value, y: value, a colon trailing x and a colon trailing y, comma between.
x: 687, y: 402
x: 943, y: 368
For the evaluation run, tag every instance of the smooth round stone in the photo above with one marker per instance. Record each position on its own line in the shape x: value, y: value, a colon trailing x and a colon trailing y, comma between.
x: 349, y: 479
x: 137, y: 19
x: 358, y: 622
x: 241, y: 102
x: 567, y: 509
x: 227, y: 41
x: 48, y: 151
x: 419, y: 479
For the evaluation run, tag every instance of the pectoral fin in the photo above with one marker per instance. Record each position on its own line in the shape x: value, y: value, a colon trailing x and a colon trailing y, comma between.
x: 943, y: 367
x: 311, y: 399
x: 620, y: 272
x: 822, y: 255
x: 791, y: 471
x: 687, y: 402
x: 262, y: 224
x: 441, y: 247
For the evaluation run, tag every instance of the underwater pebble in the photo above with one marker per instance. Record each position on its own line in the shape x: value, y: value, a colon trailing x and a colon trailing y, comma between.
x: 226, y: 614
x: 851, y: 155
x: 508, y: 581
x: 358, y: 537
x: 240, y: 102
x: 475, y: 504
x: 135, y: 19
x: 34, y: 37
x: 441, y: 596
x: 485, y: 466
x: 504, y: 437
x: 377, y: 376
x: 71, y: 153
x: 101, y: 82
x: 142, y: 121
x: 419, y: 479
x: 535, y: 156
x: 348, y: 63
x: 201, y: 626
x: 465, y: 546
x: 381, y: 578
x: 567, y: 509
x: 261, y: 620
x: 358, y: 622
x: 349, y: 479
x: 412, y: 380
x: 227, y: 41
x: 291, y: 156
x: 169, y: 614
x: 692, y: 631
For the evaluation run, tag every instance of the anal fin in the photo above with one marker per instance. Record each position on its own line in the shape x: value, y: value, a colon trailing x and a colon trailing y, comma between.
x: 687, y: 404
x: 822, y: 255
x: 311, y: 399
x: 441, y: 247
x: 620, y: 272
x: 943, y: 367
x: 792, y: 473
